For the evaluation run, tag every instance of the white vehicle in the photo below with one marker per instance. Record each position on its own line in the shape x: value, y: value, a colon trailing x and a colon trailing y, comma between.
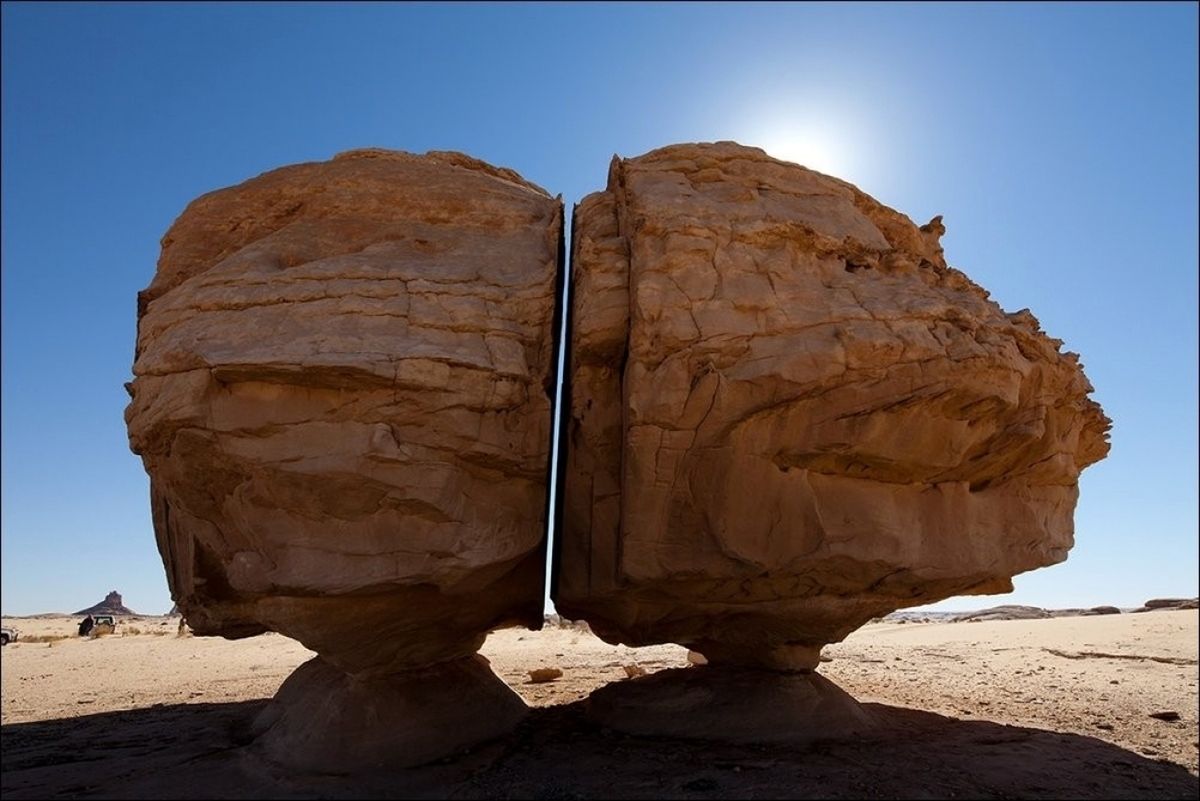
x: 8, y: 635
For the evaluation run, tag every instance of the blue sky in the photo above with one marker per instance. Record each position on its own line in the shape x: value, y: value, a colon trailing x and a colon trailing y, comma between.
x: 1059, y: 141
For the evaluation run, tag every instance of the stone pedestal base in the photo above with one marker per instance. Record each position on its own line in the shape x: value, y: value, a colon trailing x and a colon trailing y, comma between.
x: 323, y: 720
x: 729, y: 704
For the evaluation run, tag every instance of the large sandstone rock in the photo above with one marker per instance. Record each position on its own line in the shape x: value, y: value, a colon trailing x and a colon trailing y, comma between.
x: 787, y: 415
x: 343, y: 390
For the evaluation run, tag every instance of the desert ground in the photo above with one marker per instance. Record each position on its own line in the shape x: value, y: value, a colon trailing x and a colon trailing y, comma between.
x: 1017, y: 708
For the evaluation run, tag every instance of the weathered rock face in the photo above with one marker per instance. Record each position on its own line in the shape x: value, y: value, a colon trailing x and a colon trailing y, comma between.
x: 343, y: 393
x: 787, y: 415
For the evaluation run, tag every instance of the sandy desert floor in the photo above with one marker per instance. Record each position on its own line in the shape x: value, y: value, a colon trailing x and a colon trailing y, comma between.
x: 1030, y: 709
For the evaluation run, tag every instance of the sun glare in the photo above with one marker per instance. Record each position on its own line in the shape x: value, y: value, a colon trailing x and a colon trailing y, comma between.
x: 806, y: 148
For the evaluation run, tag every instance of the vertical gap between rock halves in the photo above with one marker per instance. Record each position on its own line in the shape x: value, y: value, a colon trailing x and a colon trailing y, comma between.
x: 560, y: 393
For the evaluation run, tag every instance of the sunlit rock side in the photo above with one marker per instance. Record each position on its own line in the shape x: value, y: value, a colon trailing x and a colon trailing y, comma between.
x: 343, y: 390
x: 787, y: 415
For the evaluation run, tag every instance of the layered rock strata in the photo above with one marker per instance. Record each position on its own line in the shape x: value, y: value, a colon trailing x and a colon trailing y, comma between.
x: 785, y: 414
x: 344, y: 377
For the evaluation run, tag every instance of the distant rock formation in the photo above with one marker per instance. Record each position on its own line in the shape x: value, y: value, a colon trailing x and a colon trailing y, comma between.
x: 788, y: 415
x: 1006, y: 612
x: 1156, y: 604
x: 344, y: 376
x: 111, y: 605
x: 1014, y: 612
x: 1095, y: 610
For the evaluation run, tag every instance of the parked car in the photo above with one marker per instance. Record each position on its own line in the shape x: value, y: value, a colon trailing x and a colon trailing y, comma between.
x: 8, y: 635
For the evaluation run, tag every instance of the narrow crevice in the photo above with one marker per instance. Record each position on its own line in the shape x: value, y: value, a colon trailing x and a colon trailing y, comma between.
x: 563, y: 321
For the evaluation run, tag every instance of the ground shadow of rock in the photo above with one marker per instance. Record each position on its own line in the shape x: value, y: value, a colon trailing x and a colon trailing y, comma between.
x: 200, y: 751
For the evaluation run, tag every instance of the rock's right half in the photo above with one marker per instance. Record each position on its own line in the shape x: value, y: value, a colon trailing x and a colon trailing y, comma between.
x: 787, y: 415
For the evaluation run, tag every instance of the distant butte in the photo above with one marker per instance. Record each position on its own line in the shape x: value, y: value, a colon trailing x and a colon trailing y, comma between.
x: 111, y: 605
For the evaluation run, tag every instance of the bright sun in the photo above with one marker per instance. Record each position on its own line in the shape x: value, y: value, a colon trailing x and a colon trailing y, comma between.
x: 808, y: 148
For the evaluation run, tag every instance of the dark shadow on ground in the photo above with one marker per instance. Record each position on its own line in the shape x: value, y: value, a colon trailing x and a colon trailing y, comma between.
x: 202, y: 751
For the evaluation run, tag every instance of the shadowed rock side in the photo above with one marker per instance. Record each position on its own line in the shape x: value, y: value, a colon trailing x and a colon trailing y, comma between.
x: 731, y: 705
x: 343, y: 390
x: 788, y: 415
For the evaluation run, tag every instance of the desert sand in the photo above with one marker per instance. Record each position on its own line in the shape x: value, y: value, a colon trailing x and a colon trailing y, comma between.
x: 1037, y: 708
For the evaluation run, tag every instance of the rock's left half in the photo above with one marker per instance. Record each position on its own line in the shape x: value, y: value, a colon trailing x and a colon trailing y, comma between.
x: 342, y: 395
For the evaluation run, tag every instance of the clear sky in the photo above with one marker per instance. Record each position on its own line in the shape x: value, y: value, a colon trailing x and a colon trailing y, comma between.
x: 1059, y: 141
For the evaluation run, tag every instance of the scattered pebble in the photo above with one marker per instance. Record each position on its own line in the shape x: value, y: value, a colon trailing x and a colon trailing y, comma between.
x: 542, y: 675
x: 1165, y: 715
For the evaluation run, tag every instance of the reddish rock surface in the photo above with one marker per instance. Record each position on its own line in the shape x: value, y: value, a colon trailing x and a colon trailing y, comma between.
x: 788, y: 415
x: 343, y: 390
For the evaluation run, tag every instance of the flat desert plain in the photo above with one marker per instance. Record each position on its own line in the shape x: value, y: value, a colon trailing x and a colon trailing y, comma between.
x: 1084, y: 707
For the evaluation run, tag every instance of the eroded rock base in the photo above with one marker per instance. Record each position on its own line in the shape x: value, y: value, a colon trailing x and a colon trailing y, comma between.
x: 323, y: 720
x: 733, y: 705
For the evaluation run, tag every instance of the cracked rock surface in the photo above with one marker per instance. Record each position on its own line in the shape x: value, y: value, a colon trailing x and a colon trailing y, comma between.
x: 788, y: 415
x: 343, y: 399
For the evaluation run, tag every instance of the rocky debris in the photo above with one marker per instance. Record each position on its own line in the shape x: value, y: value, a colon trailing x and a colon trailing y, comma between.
x: 559, y: 622
x: 342, y: 396
x: 543, y: 675
x: 786, y: 414
x: 911, y: 616
x: 111, y: 605
x: 633, y: 671
x: 1167, y: 715
x: 1156, y: 604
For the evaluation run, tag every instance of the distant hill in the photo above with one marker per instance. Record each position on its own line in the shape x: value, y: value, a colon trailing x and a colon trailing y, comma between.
x: 111, y: 605
x: 1007, y: 612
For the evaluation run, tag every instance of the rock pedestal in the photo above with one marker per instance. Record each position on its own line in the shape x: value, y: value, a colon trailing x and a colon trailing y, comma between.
x: 343, y: 389
x: 732, y: 705
x: 788, y: 415
x: 396, y: 720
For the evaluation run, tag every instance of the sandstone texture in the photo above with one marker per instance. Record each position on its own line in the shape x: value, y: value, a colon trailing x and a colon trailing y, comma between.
x: 785, y: 414
x: 343, y: 391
